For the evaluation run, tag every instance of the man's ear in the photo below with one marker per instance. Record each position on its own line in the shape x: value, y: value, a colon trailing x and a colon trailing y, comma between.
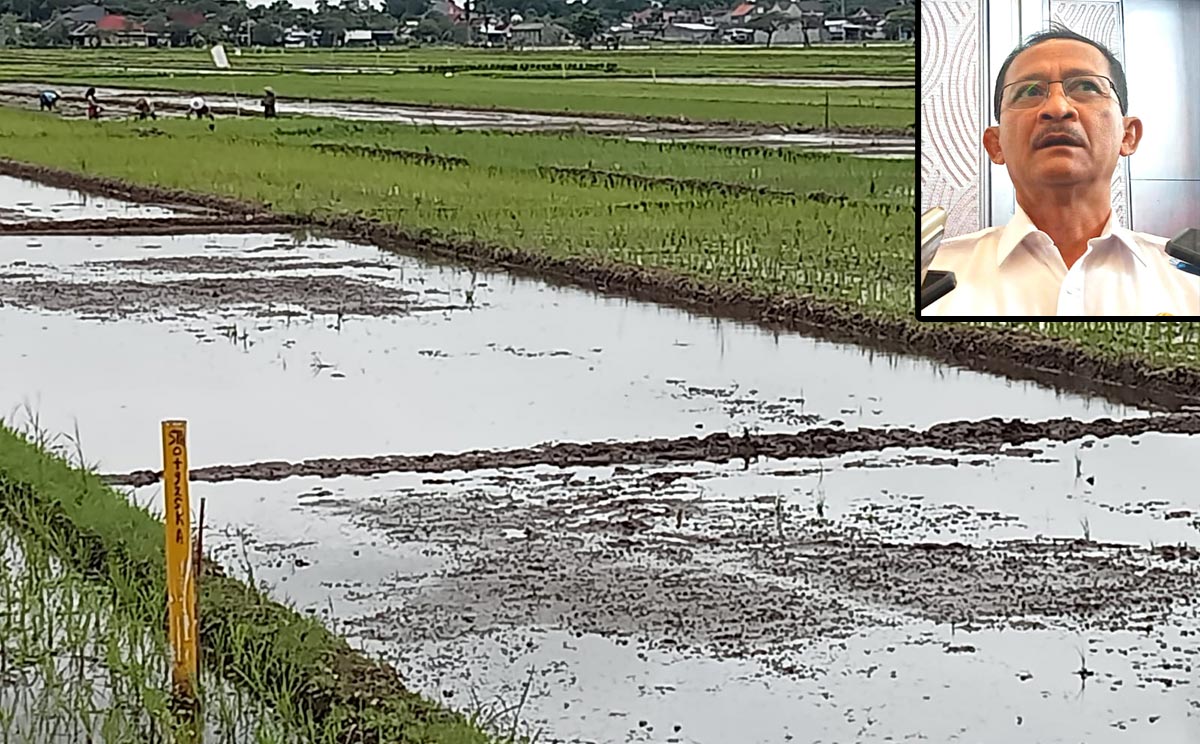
x: 991, y: 143
x: 1133, y: 135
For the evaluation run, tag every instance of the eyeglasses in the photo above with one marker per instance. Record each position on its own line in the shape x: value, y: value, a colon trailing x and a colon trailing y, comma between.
x: 1083, y: 89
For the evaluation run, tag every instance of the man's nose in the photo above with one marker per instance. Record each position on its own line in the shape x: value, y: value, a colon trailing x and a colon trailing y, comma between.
x: 1057, y: 105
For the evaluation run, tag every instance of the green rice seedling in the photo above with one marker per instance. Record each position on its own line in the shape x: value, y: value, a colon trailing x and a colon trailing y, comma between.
x: 99, y: 603
x: 86, y: 671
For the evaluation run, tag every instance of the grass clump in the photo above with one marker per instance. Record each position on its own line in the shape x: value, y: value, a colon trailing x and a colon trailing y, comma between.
x: 302, y: 682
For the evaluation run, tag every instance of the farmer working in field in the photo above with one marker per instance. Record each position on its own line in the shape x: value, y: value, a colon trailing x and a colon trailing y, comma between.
x: 47, y: 99
x: 268, y: 103
x: 93, y: 106
x: 1061, y: 103
x: 145, y: 110
x: 199, y: 109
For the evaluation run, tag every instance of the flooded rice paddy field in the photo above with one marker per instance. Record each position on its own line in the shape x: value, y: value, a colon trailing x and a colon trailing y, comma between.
x: 120, y: 101
x: 23, y: 201
x: 320, y: 348
x: 1038, y: 592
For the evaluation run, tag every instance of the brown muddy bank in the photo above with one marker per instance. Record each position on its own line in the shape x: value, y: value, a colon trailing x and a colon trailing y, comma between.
x: 248, y: 223
x: 989, y: 436
x: 1053, y: 362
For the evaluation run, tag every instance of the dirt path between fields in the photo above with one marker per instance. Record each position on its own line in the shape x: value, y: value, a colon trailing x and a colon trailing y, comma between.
x: 989, y: 436
x: 247, y: 223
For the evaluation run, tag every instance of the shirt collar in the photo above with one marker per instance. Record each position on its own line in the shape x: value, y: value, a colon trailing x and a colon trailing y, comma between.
x: 1020, y: 227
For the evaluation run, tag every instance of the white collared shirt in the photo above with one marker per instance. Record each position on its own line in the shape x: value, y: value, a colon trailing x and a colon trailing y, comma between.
x: 1017, y: 270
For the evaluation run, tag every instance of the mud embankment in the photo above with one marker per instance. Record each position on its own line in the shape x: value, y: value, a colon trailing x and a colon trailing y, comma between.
x: 247, y: 223
x: 969, y: 437
x: 1053, y: 362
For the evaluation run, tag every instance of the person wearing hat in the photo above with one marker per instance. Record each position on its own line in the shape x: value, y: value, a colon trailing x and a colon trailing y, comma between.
x: 200, y: 109
x: 269, y: 103
x: 47, y: 99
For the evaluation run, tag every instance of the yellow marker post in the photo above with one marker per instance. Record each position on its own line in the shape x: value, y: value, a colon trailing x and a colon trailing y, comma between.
x: 181, y: 587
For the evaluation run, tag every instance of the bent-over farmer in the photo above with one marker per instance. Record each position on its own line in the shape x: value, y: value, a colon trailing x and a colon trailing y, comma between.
x: 47, y: 99
x: 145, y: 110
x: 199, y: 108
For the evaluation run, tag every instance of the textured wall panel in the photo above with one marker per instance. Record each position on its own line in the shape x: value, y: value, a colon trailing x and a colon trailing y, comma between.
x: 951, y: 121
x: 1100, y: 20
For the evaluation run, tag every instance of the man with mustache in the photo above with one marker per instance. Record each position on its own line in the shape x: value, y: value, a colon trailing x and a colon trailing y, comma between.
x: 1061, y: 103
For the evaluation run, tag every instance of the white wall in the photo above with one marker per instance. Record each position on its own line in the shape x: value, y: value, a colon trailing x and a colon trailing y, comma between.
x: 1162, y: 38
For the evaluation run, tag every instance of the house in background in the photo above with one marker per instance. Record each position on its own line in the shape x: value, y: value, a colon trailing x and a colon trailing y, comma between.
x: 298, y: 38
x: 358, y: 37
x: 365, y: 37
x: 448, y: 8
x: 858, y: 26
x: 112, y: 31
x: 695, y: 33
x: 793, y: 22
x: 84, y: 14
x: 538, y: 33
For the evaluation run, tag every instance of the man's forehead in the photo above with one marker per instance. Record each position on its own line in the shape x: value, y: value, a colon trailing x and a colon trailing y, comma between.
x: 1062, y: 56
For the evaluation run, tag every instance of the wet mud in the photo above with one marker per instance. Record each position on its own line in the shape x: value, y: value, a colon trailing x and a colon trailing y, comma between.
x: 971, y: 437
x: 147, y: 226
x: 477, y: 580
x: 116, y: 298
x: 1051, y: 362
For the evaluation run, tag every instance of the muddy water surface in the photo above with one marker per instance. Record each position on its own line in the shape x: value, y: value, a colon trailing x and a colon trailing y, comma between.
x: 319, y: 348
x: 21, y: 201
x: 655, y: 604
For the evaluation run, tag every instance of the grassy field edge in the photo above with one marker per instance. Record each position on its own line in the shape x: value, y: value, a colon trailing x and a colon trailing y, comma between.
x: 128, y: 88
x: 295, y: 664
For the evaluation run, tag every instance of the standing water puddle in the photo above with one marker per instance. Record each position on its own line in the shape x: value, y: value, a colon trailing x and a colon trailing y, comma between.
x: 277, y: 349
x: 22, y: 201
